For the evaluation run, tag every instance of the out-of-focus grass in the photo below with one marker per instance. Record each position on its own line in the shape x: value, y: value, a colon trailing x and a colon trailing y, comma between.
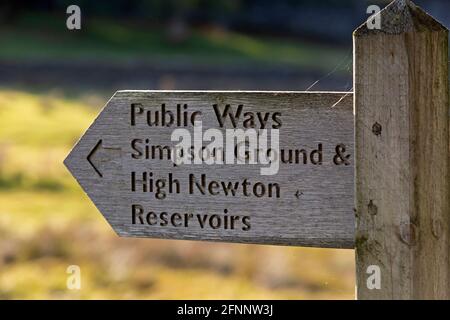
x: 36, y: 133
x: 37, y: 37
x: 45, y: 121
x: 47, y: 224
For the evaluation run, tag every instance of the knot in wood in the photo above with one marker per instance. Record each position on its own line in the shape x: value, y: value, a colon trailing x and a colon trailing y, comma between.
x: 436, y: 228
x: 373, y: 209
x: 376, y: 129
x: 408, y: 233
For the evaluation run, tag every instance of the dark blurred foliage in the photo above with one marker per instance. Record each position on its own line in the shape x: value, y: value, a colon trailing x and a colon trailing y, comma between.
x: 327, y: 20
x: 289, y: 18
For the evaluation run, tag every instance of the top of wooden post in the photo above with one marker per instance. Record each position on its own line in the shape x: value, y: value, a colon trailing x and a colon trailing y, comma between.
x: 402, y: 16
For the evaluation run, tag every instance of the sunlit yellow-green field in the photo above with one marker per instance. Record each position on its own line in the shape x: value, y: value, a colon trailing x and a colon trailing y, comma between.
x: 47, y: 224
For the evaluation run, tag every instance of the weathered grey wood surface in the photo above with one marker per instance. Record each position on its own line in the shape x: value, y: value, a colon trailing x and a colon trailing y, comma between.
x: 402, y: 155
x: 315, y: 207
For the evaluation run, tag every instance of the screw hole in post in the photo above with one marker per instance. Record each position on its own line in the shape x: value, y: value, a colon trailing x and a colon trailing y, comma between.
x: 376, y: 129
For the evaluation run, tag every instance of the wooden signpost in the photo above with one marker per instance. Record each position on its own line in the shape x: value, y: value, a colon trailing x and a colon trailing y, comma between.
x: 124, y: 164
x: 402, y: 155
x: 382, y: 153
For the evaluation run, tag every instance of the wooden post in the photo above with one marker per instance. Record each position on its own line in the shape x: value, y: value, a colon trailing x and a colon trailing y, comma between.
x: 402, y: 156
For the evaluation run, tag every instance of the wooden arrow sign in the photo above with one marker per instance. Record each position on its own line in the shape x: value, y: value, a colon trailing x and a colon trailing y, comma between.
x: 126, y: 163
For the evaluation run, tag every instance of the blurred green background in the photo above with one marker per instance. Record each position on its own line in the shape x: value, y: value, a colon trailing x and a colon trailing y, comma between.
x: 54, y: 81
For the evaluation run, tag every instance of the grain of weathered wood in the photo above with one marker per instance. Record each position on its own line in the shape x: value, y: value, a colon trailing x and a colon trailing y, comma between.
x: 316, y: 203
x: 402, y: 155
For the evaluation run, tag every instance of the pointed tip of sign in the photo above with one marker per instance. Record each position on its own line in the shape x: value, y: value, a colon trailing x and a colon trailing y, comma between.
x: 67, y: 163
x: 400, y: 16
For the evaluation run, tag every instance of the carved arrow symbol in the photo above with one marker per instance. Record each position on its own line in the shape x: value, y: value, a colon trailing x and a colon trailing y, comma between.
x: 97, y: 146
x: 298, y: 194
